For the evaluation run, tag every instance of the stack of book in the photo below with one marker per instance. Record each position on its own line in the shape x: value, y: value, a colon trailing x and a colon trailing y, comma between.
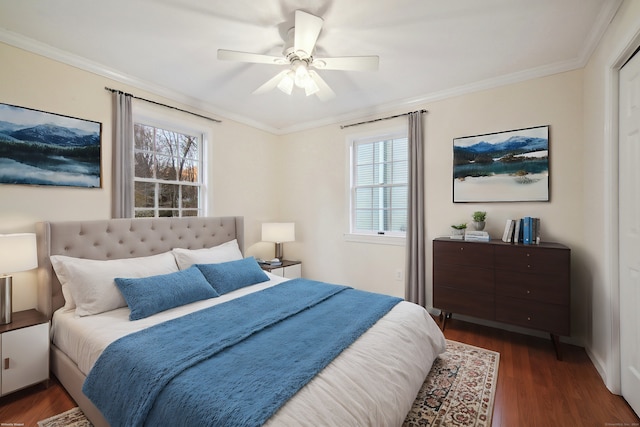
x: 271, y: 263
x: 524, y: 230
x: 477, y: 236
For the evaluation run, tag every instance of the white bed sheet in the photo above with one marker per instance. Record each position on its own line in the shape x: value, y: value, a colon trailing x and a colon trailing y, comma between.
x: 372, y: 383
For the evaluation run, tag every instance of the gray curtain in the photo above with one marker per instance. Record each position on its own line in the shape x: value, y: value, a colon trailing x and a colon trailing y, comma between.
x: 416, y: 247
x: 122, y: 194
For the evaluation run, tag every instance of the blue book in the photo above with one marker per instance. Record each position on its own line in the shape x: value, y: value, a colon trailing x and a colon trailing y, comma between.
x: 526, y: 230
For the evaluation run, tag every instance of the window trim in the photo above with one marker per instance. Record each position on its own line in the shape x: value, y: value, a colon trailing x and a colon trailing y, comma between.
x: 170, y: 121
x: 389, y: 238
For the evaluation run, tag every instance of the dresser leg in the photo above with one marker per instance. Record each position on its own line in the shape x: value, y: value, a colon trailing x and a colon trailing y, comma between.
x: 444, y: 316
x: 556, y: 346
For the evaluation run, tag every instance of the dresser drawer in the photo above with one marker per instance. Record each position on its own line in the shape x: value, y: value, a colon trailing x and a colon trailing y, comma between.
x: 458, y: 301
x: 551, y: 289
x: 462, y: 253
x: 547, y: 317
x: 467, y: 278
x: 532, y: 259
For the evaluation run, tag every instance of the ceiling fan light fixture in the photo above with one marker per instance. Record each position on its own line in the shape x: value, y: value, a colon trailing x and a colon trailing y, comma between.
x: 311, y: 87
x: 286, y: 84
x: 301, y: 73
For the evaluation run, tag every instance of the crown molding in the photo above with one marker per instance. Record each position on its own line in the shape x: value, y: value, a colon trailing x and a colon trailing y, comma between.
x: 48, y: 51
x: 606, y: 15
x: 419, y: 102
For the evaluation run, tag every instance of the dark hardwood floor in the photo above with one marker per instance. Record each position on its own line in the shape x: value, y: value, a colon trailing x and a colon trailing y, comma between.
x: 534, y: 388
x: 537, y: 390
x: 28, y: 406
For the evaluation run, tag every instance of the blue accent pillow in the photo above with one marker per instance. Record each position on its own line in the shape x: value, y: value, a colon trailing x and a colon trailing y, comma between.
x: 229, y: 276
x: 150, y: 295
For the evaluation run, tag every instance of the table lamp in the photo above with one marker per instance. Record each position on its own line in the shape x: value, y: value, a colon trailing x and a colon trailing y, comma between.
x: 278, y: 232
x: 17, y: 253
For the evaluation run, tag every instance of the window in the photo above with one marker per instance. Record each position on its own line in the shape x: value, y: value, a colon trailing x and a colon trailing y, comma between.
x: 168, y: 170
x: 379, y: 185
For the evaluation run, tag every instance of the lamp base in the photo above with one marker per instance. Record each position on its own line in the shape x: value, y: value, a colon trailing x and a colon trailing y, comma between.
x: 279, y: 251
x: 5, y: 300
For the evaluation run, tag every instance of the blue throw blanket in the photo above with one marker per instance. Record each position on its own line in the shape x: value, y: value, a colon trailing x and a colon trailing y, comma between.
x: 234, y: 364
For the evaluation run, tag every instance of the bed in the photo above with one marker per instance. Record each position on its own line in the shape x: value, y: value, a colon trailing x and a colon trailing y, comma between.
x: 372, y: 381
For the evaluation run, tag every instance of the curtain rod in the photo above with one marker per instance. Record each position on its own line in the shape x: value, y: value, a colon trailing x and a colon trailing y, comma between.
x: 382, y: 118
x: 164, y: 105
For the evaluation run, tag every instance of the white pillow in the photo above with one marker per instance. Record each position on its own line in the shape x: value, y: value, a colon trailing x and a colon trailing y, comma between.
x: 90, y: 283
x: 228, y: 251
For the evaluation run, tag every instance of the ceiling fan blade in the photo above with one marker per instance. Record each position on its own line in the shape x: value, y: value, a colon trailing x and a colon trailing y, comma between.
x: 307, y: 30
x: 324, y: 92
x: 354, y: 63
x: 271, y: 84
x: 234, y: 55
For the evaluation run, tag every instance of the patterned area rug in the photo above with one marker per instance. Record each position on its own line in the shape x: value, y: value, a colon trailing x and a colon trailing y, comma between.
x: 72, y: 418
x: 459, y: 391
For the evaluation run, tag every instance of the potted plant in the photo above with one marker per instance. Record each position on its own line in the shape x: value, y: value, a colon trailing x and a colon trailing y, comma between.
x: 457, y: 230
x: 479, y: 218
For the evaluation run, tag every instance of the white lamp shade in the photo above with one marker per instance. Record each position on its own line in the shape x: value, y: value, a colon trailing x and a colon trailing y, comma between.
x: 17, y: 252
x: 278, y: 232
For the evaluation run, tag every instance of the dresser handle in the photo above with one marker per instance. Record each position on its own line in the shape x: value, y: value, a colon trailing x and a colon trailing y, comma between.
x: 528, y: 291
x: 462, y: 249
x: 528, y: 318
x: 6, y: 363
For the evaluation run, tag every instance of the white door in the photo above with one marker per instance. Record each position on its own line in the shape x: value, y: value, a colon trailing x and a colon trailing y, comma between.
x: 629, y: 199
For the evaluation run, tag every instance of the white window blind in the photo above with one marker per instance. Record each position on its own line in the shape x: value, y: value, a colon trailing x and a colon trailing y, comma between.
x: 379, y: 179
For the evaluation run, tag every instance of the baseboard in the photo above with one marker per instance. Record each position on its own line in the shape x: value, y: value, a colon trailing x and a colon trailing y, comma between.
x: 600, y: 366
x: 598, y: 363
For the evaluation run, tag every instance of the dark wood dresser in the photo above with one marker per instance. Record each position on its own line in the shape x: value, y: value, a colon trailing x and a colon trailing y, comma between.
x: 523, y: 285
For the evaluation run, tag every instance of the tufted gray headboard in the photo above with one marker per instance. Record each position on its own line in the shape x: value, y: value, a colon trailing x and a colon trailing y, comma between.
x: 123, y: 238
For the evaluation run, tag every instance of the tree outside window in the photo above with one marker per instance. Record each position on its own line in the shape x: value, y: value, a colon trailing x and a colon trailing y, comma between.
x: 167, y: 170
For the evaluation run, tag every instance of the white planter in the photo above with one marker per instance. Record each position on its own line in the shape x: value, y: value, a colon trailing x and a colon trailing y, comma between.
x: 479, y: 226
x: 457, y: 234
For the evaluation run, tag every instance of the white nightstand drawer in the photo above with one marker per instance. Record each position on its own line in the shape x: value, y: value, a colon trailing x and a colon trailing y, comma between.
x: 25, y: 357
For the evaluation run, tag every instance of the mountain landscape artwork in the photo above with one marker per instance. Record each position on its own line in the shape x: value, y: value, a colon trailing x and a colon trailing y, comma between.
x: 511, y: 166
x: 40, y: 148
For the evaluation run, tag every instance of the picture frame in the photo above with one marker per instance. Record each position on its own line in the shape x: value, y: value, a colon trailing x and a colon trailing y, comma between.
x: 508, y: 166
x: 42, y: 148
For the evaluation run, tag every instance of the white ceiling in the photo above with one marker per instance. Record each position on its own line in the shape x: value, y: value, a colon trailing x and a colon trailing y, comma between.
x: 428, y: 49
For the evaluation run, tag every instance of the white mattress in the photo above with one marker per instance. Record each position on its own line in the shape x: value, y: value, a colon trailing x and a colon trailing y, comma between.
x: 373, y: 382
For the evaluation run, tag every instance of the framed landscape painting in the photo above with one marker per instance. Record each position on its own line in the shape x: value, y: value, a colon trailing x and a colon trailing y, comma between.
x: 40, y: 148
x: 510, y: 166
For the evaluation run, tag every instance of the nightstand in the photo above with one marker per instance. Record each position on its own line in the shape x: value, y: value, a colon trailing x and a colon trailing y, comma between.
x: 24, y: 351
x: 288, y: 269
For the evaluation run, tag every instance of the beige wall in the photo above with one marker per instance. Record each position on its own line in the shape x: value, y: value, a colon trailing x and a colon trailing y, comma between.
x: 600, y: 187
x: 317, y: 193
x: 240, y: 157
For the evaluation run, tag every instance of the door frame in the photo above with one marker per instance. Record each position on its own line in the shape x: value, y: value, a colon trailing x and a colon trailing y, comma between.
x: 621, y: 55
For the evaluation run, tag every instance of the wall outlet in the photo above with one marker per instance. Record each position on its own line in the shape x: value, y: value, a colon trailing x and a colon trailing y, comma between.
x: 398, y: 274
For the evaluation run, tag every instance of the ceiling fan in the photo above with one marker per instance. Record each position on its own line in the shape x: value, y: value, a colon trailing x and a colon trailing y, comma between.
x: 298, y: 54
